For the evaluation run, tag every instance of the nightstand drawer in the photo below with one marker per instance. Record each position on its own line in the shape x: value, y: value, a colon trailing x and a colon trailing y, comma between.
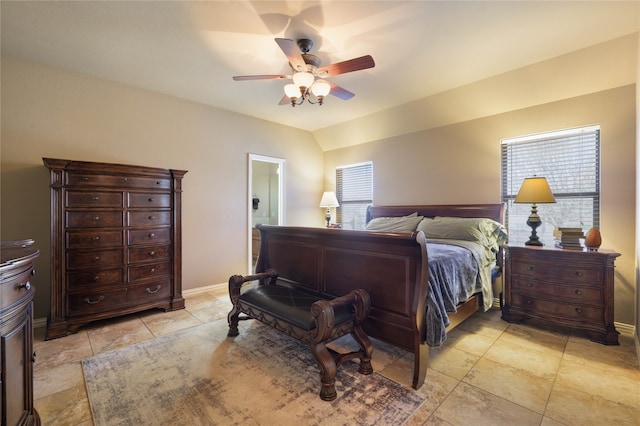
x: 569, y: 293
x: 568, y: 311
x: 557, y: 272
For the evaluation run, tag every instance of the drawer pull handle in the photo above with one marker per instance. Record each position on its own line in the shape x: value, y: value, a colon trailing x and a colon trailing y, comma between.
x: 96, y: 238
x: 529, y: 268
x: 151, y: 217
x: 96, y: 258
x: 126, y: 179
x: 151, y: 235
x: 579, y: 292
x: 96, y: 278
x: 157, y: 182
x: 96, y: 218
x: 150, y: 199
x: 578, y: 274
x: 26, y: 286
x: 152, y: 270
x: 96, y: 198
x: 85, y: 179
x: 157, y: 289
x: 578, y: 310
x: 152, y: 253
x: 529, y: 285
x: 33, y: 272
x: 33, y: 357
x: 93, y: 302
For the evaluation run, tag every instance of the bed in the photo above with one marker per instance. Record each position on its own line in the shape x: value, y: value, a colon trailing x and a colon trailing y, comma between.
x: 392, y: 265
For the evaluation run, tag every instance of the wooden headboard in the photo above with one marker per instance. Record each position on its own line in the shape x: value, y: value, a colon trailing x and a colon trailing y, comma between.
x: 491, y: 211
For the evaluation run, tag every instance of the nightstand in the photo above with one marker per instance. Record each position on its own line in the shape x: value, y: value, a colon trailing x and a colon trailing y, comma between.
x: 565, y: 287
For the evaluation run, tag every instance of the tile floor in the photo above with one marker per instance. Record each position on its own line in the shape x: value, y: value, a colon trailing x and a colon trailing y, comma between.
x: 488, y: 372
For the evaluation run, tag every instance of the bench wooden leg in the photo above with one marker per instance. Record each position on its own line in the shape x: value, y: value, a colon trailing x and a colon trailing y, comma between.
x: 328, y: 369
x: 233, y: 318
x: 366, y: 349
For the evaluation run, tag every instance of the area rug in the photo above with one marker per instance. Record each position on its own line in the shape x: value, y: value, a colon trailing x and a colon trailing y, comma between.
x: 262, y: 377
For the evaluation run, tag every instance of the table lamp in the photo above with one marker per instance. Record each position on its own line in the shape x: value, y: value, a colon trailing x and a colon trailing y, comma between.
x: 534, y: 190
x: 329, y: 200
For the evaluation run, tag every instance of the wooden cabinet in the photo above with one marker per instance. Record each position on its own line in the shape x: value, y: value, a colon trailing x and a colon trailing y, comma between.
x: 16, y: 333
x: 116, y: 241
x: 565, y: 287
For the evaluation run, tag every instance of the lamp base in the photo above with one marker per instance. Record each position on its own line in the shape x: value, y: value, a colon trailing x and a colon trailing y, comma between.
x: 534, y: 221
x: 327, y: 217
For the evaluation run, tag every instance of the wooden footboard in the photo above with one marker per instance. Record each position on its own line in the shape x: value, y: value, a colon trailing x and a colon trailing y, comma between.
x: 391, y: 267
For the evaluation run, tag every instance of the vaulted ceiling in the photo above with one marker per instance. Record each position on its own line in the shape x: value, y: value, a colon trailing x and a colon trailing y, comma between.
x: 192, y: 49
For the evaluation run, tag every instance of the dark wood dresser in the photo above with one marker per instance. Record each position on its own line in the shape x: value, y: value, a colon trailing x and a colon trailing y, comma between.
x: 566, y: 287
x: 116, y: 241
x: 16, y: 333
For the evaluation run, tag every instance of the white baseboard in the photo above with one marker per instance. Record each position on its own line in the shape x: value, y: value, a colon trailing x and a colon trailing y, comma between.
x: 40, y: 322
x: 217, y: 287
x: 626, y: 329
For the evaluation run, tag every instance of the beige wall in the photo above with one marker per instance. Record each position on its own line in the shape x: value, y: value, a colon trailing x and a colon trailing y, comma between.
x: 49, y: 112
x: 460, y: 163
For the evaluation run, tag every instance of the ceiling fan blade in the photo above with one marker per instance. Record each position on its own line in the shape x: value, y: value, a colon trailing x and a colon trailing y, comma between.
x: 259, y: 77
x: 285, y: 100
x: 339, y: 92
x: 355, y: 64
x: 292, y: 51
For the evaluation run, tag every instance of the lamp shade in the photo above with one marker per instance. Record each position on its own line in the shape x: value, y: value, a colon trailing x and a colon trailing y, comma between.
x: 329, y: 200
x: 320, y: 88
x: 303, y: 79
x: 535, y: 190
x: 291, y: 90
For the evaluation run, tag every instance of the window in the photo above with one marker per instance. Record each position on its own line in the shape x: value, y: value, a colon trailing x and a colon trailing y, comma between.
x: 570, y: 160
x: 354, y: 190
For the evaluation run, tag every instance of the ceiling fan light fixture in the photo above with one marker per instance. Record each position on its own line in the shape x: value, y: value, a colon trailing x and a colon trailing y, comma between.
x: 320, y: 88
x: 303, y: 79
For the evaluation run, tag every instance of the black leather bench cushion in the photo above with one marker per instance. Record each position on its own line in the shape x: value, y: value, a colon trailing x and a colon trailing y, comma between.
x: 290, y: 305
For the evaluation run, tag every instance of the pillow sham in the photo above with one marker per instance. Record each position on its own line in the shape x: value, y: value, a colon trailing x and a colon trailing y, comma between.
x: 395, y: 224
x: 482, y: 230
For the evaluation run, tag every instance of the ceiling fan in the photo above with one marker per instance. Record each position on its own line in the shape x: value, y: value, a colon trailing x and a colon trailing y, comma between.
x: 307, y: 74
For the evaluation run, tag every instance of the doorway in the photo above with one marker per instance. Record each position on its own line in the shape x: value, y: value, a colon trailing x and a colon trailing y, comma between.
x: 265, y: 199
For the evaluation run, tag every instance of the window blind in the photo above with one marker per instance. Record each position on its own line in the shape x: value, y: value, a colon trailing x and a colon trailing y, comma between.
x: 570, y: 160
x: 354, y: 190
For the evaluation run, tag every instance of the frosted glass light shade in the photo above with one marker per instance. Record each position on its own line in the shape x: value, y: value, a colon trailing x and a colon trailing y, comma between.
x: 303, y: 79
x: 320, y: 88
x: 292, y: 91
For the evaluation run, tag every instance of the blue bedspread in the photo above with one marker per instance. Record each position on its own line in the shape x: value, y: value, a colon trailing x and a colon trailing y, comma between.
x: 454, y: 275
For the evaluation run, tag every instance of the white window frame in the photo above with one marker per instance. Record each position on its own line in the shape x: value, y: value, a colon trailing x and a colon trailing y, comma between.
x: 570, y: 160
x: 356, y: 196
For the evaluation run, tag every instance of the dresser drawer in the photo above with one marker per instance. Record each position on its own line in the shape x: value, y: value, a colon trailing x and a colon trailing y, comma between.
x: 93, y: 239
x: 94, y: 219
x: 150, y: 271
x: 94, y: 199
x: 566, y: 311
x: 568, y: 292
x: 99, y: 277
x: 149, y: 218
x: 17, y: 288
x: 144, y: 254
x: 85, y: 303
x: 150, y: 199
x: 85, y: 180
x: 157, y: 290
x: 561, y: 273
x: 94, y: 259
x: 153, y: 235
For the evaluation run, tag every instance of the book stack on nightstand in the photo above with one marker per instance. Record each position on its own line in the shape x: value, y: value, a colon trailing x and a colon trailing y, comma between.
x: 569, y: 238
